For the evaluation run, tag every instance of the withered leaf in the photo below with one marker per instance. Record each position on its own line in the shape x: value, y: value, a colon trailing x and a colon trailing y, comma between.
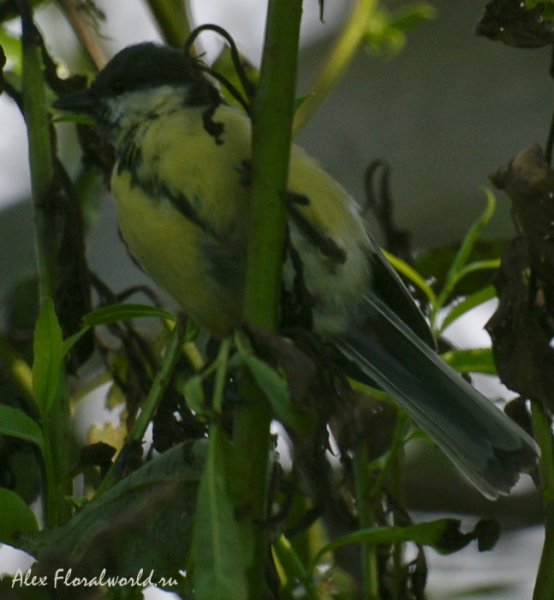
x: 528, y: 180
x: 522, y: 353
x: 510, y: 22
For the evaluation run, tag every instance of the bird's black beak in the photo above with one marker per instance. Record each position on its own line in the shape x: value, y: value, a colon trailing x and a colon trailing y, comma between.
x: 77, y: 102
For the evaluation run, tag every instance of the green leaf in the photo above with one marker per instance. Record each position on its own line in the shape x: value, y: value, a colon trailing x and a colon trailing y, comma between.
x: 293, y: 567
x: 300, y: 101
x: 371, y: 391
x: 142, y: 522
x: 192, y: 331
x: 76, y: 118
x: 15, y: 517
x: 48, y: 356
x: 123, y: 312
x: 72, y: 340
x: 476, y: 360
x: 548, y: 12
x: 458, y: 267
x: 386, y: 30
x: 412, y: 275
x: 411, y: 15
x: 467, y: 304
x: 479, y: 265
x: 221, y: 549
x: 11, y: 45
x: 194, y: 394
x: 443, y: 535
x: 275, y: 389
x: 434, y: 265
x: 17, y: 424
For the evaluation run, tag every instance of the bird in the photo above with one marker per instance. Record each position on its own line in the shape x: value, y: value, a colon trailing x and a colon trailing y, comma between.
x: 182, y: 209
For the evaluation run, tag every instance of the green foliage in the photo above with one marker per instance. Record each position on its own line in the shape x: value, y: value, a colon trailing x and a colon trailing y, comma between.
x: 15, y: 517
x: 142, y: 522
x: 386, y: 33
x: 123, y: 312
x: 548, y: 12
x: 475, y: 360
x: 274, y: 387
x: 455, y: 270
x: 443, y: 535
x: 48, y: 353
x: 222, y: 546
x: 17, y: 424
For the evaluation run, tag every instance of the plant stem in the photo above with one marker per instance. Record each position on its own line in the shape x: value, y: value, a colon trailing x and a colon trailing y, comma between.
x: 364, y: 506
x: 56, y: 426
x: 271, y: 141
x: 396, y: 489
x: 544, y: 585
x: 293, y: 567
x: 173, y: 20
x: 58, y: 457
x: 159, y: 385
x: 345, y: 47
x: 85, y: 32
x: 40, y: 153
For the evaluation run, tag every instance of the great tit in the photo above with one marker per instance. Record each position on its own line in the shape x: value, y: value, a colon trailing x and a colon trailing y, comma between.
x: 182, y: 206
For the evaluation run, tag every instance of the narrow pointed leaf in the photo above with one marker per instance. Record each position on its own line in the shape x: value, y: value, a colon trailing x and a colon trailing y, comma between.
x: 474, y: 360
x: 48, y: 356
x: 220, y: 558
x: 122, y: 312
x: 15, y: 517
x: 16, y: 423
x: 275, y: 389
x: 487, y: 293
x: 443, y: 535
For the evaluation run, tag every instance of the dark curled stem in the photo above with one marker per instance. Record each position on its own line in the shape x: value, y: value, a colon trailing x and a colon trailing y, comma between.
x: 248, y: 87
x: 381, y: 203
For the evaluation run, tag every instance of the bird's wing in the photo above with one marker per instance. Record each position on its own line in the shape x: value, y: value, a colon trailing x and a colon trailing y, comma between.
x: 386, y: 284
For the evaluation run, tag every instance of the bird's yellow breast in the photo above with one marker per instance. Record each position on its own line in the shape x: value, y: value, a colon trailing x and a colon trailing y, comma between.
x: 178, y: 162
x: 182, y: 211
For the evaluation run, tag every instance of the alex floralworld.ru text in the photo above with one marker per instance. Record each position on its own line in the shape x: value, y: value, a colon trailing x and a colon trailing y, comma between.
x: 65, y: 578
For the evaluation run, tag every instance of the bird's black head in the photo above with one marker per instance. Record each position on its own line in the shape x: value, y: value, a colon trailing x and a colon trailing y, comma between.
x: 144, y: 66
x: 137, y: 70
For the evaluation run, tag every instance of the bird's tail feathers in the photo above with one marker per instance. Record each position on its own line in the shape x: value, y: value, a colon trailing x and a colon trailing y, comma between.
x: 485, y: 444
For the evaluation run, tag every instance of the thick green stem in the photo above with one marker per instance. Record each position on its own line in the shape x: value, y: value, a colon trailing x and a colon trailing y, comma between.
x: 271, y: 141
x: 40, y: 153
x: 273, y: 114
x: 56, y: 427
x: 58, y: 457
